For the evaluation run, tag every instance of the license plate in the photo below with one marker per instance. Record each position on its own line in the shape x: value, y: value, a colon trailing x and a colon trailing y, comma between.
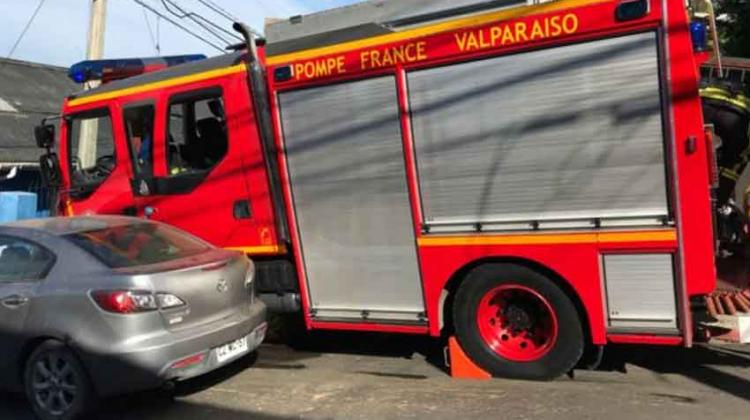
x: 230, y: 350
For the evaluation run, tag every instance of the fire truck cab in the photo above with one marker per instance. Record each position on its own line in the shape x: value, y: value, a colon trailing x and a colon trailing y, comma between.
x: 529, y: 178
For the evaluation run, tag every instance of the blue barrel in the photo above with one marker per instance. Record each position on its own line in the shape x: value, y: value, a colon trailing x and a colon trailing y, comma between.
x: 699, y: 35
x: 17, y: 206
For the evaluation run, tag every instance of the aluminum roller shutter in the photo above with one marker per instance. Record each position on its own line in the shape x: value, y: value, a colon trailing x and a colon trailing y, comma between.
x: 571, y: 132
x: 346, y: 164
x: 640, y: 291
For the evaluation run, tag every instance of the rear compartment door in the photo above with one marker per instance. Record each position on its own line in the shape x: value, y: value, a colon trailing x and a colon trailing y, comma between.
x: 346, y: 167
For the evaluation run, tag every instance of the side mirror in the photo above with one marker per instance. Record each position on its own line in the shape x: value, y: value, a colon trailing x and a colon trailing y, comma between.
x: 50, y: 170
x: 44, y: 135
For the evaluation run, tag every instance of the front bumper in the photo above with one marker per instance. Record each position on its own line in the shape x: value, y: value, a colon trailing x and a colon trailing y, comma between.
x: 152, y: 363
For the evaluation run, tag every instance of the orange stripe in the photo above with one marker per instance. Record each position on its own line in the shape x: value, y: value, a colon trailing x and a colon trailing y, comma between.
x: 260, y: 250
x: 667, y: 235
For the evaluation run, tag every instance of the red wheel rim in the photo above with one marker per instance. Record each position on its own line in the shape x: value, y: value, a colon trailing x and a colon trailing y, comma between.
x: 517, y: 323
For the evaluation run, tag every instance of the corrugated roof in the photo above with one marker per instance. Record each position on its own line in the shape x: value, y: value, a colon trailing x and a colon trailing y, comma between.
x: 28, y: 93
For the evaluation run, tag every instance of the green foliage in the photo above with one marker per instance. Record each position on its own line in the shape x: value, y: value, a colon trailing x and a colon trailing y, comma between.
x: 734, y: 27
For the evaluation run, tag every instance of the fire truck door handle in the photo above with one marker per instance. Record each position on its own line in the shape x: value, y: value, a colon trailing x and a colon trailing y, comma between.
x: 149, y: 211
x: 242, y: 209
x: 691, y: 145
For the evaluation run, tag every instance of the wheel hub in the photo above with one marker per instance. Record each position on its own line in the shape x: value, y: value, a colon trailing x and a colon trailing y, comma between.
x: 517, y: 322
x: 518, y: 318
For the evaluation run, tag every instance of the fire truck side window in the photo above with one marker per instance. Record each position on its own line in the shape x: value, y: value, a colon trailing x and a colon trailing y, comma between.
x: 139, y: 127
x: 91, y: 151
x: 197, y: 136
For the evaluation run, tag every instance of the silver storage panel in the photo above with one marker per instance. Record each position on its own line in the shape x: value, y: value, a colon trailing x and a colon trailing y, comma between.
x: 571, y: 132
x: 346, y: 163
x: 640, y: 291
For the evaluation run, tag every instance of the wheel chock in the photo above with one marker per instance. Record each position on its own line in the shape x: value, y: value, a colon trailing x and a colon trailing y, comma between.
x: 461, y: 367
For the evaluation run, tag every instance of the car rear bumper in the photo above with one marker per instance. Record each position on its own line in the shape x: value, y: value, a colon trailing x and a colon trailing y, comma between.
x: 177, y: 356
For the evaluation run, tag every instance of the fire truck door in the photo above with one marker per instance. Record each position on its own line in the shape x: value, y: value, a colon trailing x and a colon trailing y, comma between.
x: 95, y: 163
x: 138, y: 120
x: 200, y: 179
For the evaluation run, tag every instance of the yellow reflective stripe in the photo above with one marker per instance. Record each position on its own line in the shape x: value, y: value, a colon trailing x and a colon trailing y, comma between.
x: 259, y: 250
x: 478, y: 20
x: 181, y: 80
x: 550, y: 238
x: 741, y: 101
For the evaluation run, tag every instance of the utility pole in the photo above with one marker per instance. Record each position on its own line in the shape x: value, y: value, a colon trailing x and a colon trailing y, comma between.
x: 97, y: 21
x: 94, y: 51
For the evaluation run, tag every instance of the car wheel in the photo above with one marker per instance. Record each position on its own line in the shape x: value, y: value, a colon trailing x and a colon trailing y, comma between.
x: 56, y: 384
x: 515, y: 322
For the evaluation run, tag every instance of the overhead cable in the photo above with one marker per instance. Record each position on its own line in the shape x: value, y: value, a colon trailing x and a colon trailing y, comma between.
x: 224, y: 13
x: 199, y: 20
x: 25, y: 28
x: 184, y: 28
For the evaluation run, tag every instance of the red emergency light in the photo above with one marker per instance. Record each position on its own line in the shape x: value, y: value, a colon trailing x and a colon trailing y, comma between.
x: 108, y: 70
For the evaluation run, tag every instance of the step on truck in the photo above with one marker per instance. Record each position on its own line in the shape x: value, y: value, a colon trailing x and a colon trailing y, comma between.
x: 534, y: 180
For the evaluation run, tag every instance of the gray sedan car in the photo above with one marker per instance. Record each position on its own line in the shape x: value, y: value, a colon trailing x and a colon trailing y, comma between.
x: 101, y: 305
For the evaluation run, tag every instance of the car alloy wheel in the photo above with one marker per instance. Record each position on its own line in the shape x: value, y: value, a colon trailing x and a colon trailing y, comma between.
x: 54, y: 384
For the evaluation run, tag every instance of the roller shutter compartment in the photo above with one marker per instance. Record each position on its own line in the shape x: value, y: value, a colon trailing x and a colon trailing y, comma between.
x: 565, y: 133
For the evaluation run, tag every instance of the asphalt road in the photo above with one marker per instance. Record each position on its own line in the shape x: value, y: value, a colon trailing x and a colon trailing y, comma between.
x: 373, y: 376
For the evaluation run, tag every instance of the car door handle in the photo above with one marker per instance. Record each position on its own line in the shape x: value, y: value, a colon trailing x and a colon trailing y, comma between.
x: 15, y: 301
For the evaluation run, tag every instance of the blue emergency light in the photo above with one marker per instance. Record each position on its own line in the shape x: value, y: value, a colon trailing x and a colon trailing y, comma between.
x: 108, y: 70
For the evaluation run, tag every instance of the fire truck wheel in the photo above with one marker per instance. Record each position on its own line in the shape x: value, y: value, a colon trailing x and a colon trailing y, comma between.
x: 515, y: 322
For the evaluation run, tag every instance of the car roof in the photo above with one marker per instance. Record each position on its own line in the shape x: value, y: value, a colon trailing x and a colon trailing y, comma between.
x: 66, y: 225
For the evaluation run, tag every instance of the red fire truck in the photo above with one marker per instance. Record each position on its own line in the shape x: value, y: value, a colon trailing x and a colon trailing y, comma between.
x: 532, y: 179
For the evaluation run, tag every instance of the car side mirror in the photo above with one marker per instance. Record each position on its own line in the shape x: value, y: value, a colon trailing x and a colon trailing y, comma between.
x: 44, y: 134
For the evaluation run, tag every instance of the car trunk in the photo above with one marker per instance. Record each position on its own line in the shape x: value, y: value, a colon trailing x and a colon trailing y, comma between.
x: 211, y: 284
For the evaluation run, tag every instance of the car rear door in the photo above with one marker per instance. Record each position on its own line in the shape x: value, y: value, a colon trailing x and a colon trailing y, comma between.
x: 23, y: 264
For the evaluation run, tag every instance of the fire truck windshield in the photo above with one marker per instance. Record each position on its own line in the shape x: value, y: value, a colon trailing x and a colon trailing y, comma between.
x: 91, y: 152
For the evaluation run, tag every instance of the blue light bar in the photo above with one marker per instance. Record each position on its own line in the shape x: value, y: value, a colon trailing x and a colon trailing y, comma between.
x: 108, y: 70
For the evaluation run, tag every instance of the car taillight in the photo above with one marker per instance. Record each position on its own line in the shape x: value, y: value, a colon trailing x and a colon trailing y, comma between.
x: 124, y: 301
x: 167, y: 301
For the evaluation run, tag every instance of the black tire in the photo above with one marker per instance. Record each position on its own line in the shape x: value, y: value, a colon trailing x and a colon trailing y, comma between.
x: 563, y: 352
x: 67, y: 392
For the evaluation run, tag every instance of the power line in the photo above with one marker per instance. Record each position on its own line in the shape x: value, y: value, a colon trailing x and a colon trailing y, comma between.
x: 158, y: 36
x: 185, y: 29
x: 223, y: 12
x: 218, y: 9
x: 26, y: 28
x: 199, y: 20
x: 150, y: 32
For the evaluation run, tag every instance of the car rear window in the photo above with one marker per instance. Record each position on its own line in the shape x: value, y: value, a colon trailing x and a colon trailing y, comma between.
x: 137, y: 244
